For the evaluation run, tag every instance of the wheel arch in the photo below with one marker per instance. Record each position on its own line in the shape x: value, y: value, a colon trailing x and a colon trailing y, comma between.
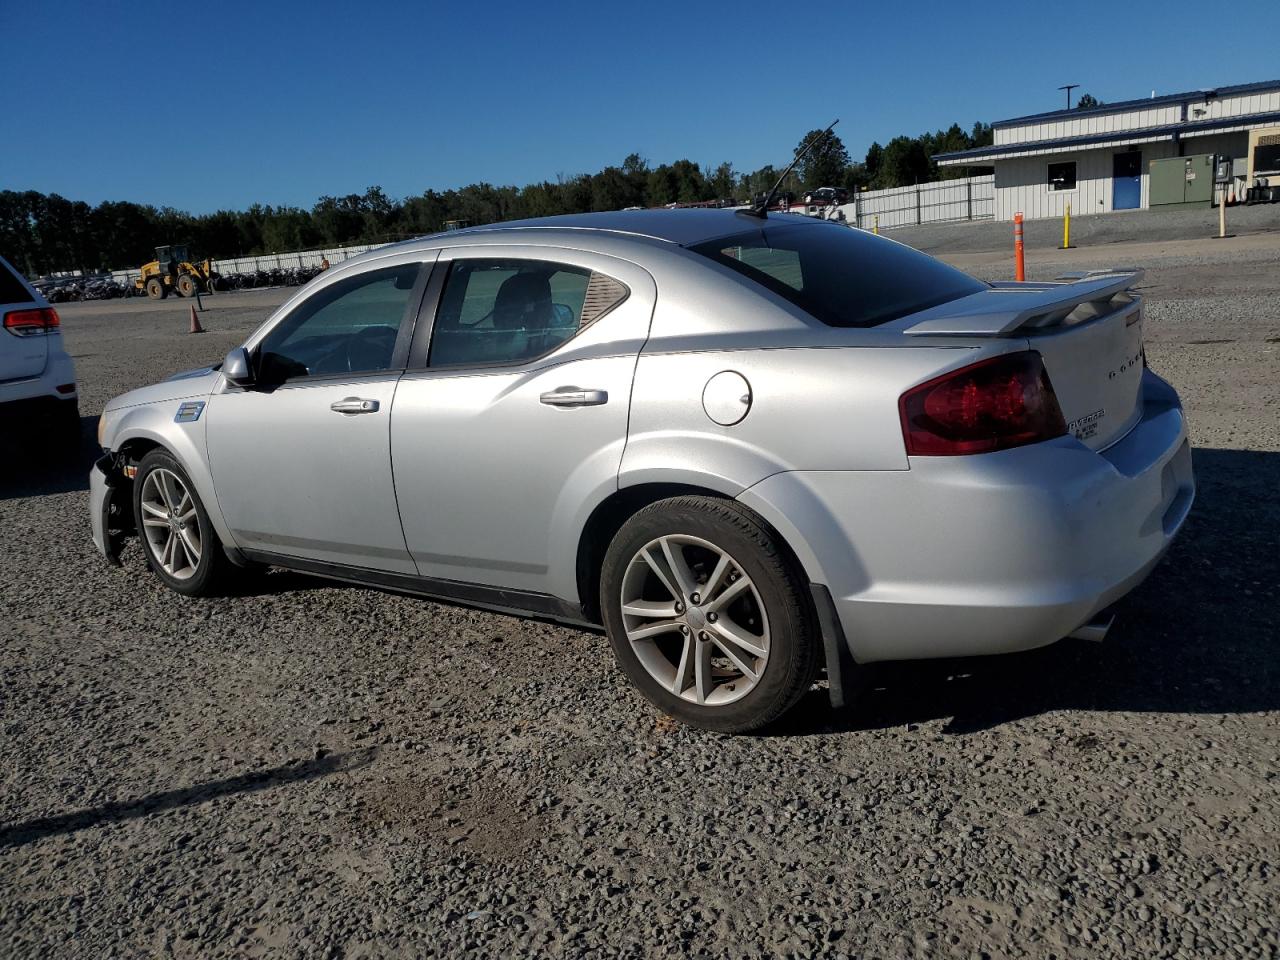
x: 140, y: 434
x: 611, y: 513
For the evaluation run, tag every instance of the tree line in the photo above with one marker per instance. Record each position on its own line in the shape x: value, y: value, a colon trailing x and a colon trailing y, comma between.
x: 42, y: 233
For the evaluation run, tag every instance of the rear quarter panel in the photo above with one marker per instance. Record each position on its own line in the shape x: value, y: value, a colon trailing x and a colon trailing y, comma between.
x: 822, y: 398
x: 819, y: 408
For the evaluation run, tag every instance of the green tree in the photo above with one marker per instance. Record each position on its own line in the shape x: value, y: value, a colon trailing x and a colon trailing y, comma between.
x: 337, y: 220
x: 661, y: 187
x: 757, y: 182
x: 378, y: 213
x: 1087, y: 101
x: 855, y: 177
x: 612, y: 189
x: 123, y: 234
x: 871, y: 166
x: 721, y: 182
x: 287, y: 228
x: 825, y: 164
x: 905, y: 162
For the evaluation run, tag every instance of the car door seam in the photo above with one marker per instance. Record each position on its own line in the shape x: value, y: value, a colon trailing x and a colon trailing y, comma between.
x: 391, y: 459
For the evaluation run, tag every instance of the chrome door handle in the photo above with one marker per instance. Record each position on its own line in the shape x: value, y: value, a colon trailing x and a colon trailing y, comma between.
x: 574, y: 397
x: 352, y: 405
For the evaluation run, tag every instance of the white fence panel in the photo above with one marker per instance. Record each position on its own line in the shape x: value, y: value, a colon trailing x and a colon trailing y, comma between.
x: 969, y: 198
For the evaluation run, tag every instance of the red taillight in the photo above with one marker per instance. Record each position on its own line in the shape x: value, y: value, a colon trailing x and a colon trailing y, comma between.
x: 26, y: 323
x: 992, y: 405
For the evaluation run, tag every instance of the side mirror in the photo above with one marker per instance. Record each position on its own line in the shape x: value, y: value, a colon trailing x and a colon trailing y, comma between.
x: 237, y: 369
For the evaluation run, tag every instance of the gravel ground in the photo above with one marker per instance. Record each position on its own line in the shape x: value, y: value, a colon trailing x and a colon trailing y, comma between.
x: 323, y: 771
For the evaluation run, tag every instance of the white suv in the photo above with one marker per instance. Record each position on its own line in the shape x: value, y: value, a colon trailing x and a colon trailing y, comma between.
x: 37, y: 378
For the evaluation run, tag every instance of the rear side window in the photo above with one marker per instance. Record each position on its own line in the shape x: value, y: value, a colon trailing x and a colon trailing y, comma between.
x: 11, y: 288
x: 841, y: 276
x: 510, y: 311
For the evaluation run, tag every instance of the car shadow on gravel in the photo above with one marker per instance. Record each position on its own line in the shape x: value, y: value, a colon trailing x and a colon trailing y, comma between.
x: 18, y: 834
x: 1201, y: 635
x: 32, y: 465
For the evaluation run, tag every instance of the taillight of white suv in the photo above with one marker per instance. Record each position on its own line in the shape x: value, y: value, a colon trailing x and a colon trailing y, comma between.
x: 32, y: 323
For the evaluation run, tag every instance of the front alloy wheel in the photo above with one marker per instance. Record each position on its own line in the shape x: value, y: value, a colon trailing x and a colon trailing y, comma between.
x: 170, y: 523
x: 177, y: 535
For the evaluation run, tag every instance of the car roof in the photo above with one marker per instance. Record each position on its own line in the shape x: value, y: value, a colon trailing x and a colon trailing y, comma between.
x: 679, y: 226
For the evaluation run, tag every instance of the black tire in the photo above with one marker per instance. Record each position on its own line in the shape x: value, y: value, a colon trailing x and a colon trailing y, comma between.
x: 793, y: 659
x: 156, y: 289
x: 214, y: 573
x: 186, y: 285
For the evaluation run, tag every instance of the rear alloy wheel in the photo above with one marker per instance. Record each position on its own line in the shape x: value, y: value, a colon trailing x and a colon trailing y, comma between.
x: 177, y: 536
x: 723, y: 647
x: 707, y: 614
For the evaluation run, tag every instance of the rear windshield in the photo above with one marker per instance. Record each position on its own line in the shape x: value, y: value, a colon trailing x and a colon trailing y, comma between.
x: 841, y: 276
x: 11, y: 288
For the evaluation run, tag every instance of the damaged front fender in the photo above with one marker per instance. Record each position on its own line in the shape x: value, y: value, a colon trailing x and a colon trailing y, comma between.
x: 110, y: 515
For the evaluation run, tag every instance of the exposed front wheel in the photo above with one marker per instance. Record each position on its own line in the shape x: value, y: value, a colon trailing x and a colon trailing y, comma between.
x: 177, y: 537
x: 186, y: 285
x: 707, y: 614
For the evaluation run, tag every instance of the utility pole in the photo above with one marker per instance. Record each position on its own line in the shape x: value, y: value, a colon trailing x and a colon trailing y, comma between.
x: 1069, y: 87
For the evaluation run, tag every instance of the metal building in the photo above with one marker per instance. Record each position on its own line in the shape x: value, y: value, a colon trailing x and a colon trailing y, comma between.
x: 1099, y: 159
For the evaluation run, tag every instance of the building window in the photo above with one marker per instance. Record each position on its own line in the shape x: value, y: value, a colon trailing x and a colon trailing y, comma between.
x: 1062, y: 176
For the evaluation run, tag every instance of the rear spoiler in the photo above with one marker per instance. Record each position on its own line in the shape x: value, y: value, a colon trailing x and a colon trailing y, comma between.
x: 1008, y: 306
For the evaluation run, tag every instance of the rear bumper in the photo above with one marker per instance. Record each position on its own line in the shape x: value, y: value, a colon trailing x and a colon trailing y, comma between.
x: 59, y: 370
x: 963, y: 556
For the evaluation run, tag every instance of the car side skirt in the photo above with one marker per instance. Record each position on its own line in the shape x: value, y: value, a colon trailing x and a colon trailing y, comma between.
x: 520, y: 603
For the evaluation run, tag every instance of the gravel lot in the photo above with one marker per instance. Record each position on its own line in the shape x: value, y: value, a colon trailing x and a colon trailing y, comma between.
x: 324, y: 771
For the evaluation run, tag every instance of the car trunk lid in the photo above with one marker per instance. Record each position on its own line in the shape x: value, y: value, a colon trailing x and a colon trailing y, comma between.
x: 1088, y: 330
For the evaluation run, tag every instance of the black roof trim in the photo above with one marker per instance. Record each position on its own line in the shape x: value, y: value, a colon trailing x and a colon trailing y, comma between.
x: 1123, y: 105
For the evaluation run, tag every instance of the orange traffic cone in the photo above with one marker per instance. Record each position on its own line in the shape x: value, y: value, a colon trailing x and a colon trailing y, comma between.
x: 195, y: 322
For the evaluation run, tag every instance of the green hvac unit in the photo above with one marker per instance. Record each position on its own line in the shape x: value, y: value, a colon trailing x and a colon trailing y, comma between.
x: 1181, y: 180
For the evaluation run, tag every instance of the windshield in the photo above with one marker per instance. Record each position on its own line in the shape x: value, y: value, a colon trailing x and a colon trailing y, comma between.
x: 841, y: 276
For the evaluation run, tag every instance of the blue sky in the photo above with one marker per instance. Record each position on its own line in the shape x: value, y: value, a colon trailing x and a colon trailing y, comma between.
x: 281, y: 102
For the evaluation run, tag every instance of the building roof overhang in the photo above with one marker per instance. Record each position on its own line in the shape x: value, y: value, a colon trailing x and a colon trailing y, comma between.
x: 1119, y: 138
x: 1127, y: 106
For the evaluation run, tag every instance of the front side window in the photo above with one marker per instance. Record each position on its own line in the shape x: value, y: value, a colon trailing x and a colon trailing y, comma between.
x: 510, y: 311
x: 1062, y: 176
x: 841, y: 276
x: 348, y: 327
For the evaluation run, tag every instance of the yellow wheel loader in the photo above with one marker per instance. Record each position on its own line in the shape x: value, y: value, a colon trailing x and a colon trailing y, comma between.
x: 172, y: 271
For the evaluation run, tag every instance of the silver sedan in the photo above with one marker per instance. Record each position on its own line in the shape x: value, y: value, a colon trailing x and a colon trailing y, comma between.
x: 753, y: 448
